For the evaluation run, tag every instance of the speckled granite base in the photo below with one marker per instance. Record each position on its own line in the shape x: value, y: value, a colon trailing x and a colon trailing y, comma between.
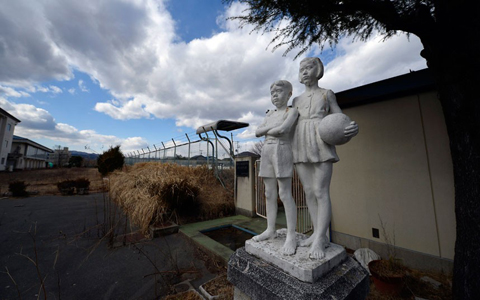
x: 298, y: 265
x: 259, y: 280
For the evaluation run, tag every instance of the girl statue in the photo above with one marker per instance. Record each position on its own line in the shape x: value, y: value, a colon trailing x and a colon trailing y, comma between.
x: 313, y: 158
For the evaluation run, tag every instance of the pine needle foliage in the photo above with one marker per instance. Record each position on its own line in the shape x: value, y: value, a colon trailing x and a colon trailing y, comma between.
x: 111, y: 160
x: 303, y: 23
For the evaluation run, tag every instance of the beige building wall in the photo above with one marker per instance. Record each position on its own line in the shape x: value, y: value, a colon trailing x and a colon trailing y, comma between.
x: 397, y: 171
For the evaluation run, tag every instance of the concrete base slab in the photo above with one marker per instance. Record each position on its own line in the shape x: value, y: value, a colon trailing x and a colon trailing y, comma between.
x: 162, y: 230
x: 257, y: 280
x: 298, y: 265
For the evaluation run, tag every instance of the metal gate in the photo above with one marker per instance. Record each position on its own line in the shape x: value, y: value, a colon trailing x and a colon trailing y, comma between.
x: 304, y: 223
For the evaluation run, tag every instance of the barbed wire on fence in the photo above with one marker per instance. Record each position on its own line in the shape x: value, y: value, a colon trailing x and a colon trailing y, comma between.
x: 191, y: 149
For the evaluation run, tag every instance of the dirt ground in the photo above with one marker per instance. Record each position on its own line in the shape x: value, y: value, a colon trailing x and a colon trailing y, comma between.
x: 417, y: 286
x: 44, y: 181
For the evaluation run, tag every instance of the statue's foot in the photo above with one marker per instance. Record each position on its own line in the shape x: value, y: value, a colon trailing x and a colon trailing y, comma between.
x: 306, y: 242
x: 317, y: 251
x: 326, y: 242
x: 267, y: 234
x: 290, y: 246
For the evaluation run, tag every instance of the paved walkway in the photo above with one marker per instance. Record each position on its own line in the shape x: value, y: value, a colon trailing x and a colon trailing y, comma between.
x: 62, y: 236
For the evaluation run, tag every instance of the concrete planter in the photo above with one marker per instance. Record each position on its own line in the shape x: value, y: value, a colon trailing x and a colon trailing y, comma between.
x: 204, y: 288
x: 163, y: 229
x: 190, y: 294
x: 184, y: 290
x: 386, y: 284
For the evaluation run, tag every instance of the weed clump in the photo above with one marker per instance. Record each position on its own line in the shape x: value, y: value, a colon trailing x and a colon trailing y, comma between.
x: 82, y: 183
x: 66, y: 187
x: 69, y: 186
x: 18, y: 188
x: 153, y: 192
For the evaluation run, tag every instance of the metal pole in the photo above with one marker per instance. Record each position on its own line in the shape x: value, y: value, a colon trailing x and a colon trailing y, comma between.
x: 188, y: 149
x: 174, y: 152
x: 163, y: 152
x: 215, y: 157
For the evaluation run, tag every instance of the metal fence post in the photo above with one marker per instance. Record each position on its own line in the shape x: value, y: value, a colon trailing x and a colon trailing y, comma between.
x: 163, y: 160
x: 188, y: 149
x: 174, y: 152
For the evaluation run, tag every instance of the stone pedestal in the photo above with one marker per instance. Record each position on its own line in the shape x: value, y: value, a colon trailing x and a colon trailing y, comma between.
x: 256, y: 279
x: 299, y: 265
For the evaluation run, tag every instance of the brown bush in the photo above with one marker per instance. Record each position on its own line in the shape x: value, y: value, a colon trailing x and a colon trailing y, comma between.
x: 150, y: 192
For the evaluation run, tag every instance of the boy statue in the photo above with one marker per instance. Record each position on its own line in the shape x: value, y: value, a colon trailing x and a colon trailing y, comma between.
x: 276, y: 166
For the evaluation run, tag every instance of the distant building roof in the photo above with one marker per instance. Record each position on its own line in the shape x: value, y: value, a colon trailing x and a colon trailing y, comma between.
x: 403, y: 85
x: 4, y: 112
x: 247, y: 154
x: 198, y: 157
x: 19, y: 139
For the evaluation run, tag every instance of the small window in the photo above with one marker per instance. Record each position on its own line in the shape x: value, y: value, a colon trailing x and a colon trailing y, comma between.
x: 6, y: 143
x: 3, y: 160
x: 9, y: 126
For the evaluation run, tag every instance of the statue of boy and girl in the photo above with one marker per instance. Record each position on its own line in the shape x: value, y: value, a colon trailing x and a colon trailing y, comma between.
x: 292, y: 138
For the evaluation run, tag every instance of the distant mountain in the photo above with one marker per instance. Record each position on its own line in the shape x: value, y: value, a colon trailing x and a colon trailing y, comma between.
x: 84, y: 154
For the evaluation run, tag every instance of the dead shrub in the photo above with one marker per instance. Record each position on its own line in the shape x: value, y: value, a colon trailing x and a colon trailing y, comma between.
x: 18, y: 188
x: 66, y: 187
x: 82, y: 183
x: 151, y: 192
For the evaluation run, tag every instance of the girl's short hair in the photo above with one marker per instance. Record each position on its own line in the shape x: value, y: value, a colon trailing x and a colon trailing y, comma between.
x: 283, y: 83
x: 319, y: 64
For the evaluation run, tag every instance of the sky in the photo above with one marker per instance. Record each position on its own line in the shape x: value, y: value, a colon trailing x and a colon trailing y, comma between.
x: 89, y: 75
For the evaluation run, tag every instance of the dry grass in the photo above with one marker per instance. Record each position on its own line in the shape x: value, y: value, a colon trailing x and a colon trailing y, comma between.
x: 44, y: 181
x: 153, y: 192
x: 220, y: 287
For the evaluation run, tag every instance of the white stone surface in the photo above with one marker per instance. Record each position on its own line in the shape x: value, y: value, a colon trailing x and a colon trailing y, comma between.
x: 276, y: 166
x: 312, y: 156
x: 298, y: 265
x: 332, y: 129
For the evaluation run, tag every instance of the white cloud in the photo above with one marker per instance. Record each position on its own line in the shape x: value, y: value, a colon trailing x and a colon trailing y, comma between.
x: 43, y: 89
x: 37, y: 123
x: 55, y: 89
x: 82, y: 86
x: 366, y: 62
x: 131, y: 49
x: 228, y: 75
x: 11, y: 92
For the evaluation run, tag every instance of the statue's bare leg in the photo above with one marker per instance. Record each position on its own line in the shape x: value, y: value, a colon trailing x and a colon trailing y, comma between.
x: 322, y: 177
x: 272, y: 207
x: 305, y: 172
x: 285, y: 189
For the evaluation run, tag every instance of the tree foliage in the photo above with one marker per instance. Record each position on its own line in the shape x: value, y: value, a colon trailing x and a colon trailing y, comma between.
x: 75, y: 161
x: 307, y: 22
x: 110, y: 160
